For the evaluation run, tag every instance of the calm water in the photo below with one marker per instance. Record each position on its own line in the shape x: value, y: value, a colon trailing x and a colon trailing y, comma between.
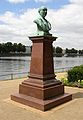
x: 13, y: 65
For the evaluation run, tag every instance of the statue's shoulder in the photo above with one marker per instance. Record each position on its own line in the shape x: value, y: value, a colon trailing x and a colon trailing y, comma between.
x: 38, y: 20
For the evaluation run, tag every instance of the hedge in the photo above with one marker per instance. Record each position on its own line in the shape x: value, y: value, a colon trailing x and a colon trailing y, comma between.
x: 75, y: 74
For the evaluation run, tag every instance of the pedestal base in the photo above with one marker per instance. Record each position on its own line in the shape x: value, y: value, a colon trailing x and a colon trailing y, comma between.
x: 42, y: 90
x: 39, y: 103
x: 42, y: 95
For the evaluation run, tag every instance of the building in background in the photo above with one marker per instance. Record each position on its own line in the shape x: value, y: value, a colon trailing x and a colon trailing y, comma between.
x: 28, y: 50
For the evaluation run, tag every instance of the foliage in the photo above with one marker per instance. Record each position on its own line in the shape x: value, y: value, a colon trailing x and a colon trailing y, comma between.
x: 75, y: 74
x: 59, y: 50
x: 0, y: 48
x: 80, y: 51
x: 64, y: 81
x: 72, y: 84
x: 14, y: 49
x: 20, y: 48
x: 71, y: 51
x: 9, y: 48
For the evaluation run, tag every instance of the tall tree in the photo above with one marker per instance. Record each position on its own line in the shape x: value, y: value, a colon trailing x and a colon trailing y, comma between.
x: 14, y: 47
x: 80, y: 52
x: 0, y: 48
x: 21, y: 48
x: 8, y: 47
x: 59, y: 50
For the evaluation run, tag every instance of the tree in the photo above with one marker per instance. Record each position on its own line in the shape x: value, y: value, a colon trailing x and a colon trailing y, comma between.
x: 59, y: 50
x: 3, y: 48
x: 8, y: 47
x: 67, y: 51
x: 80, y: 52
x: 74, y: 50
x: 14, y: 47
x: 21, y: 48
x: 0, y: 48
x: 71, y: 51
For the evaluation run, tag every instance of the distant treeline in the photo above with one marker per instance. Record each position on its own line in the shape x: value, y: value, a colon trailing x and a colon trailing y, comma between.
x: 58, y: 51
x: 12, y: 48
x: 8, y: 49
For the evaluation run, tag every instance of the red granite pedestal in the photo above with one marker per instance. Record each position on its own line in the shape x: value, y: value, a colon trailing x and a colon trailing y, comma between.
x: 42, y: 90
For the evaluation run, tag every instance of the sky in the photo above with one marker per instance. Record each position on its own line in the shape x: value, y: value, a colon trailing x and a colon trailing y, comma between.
x: 65, y: 16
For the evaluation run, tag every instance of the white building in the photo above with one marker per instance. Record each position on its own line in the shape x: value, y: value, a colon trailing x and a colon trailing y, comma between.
x: 28, y: 49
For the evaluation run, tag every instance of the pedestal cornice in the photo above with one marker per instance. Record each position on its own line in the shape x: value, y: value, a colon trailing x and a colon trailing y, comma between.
x: 44, y: 38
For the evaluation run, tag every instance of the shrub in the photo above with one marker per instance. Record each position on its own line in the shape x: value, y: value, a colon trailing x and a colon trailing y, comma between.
x: 72, y: 84
x: 75, y: 74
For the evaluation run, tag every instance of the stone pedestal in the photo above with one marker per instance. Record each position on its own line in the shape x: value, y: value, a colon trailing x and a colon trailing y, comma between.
x: 42, y: 90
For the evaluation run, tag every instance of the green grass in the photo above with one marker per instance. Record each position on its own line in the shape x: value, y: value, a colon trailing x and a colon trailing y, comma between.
x: 78, y: 84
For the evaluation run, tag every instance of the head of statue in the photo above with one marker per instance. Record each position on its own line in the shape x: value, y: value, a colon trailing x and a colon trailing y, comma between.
x: 43, y: 11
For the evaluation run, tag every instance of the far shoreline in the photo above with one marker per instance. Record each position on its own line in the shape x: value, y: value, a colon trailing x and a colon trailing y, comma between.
x: 29, y: 54
x: 14, y: 54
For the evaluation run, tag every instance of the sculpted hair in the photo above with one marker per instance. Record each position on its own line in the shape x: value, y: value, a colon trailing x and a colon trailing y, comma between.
x: 42, y: 8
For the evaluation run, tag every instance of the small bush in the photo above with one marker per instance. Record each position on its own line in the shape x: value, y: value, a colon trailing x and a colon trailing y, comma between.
x: 75, y: 74
x: 64, y: 81
x: 72, y: 84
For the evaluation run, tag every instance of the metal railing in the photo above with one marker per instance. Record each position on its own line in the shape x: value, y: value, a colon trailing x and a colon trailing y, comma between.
x: 12, y: 76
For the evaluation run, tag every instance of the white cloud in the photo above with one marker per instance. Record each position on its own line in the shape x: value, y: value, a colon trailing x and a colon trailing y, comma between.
x: 44, y: 1
x: 17, y: 1
x: 17, y: 29
x: 22, y: 1
x: 67, y: 24
x: 77, y: 1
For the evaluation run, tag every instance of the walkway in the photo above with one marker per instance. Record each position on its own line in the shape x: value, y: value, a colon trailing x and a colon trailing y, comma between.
x: 10, y: 110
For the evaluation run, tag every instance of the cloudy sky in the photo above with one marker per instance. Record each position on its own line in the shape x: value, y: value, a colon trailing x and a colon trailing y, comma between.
x: 66, y: 17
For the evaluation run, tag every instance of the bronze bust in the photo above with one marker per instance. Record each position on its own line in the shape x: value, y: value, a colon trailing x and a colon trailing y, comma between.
x: 43, y: 25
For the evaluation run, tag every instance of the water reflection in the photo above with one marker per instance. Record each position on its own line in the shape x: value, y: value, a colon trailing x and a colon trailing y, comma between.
x: 12, y: 65
x: 62, y: 62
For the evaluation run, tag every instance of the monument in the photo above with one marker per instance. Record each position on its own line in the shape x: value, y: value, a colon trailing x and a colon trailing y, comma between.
x: 42, y: 90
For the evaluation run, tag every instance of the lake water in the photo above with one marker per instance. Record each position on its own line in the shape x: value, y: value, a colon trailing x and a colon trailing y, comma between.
x: 13, y: 65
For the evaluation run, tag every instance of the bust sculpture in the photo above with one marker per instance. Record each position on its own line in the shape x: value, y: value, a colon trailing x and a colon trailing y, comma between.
x: 43, y: 25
